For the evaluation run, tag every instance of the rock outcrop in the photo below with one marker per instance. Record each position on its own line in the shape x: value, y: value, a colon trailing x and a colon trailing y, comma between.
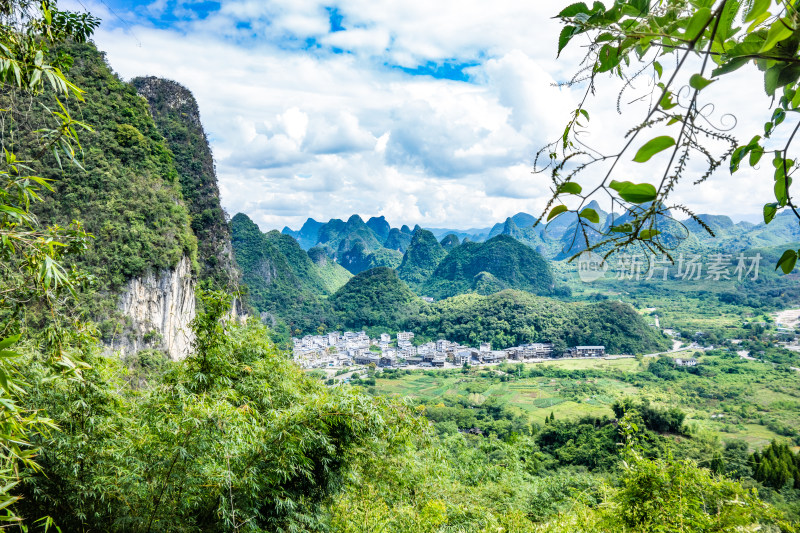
x: 160, y: 307
x: 177, y: 117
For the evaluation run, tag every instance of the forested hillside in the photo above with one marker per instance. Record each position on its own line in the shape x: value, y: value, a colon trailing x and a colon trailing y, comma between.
x: 129, y: 195
x: 511, y: 318
x: 377, y: 300
x: 177, y: 119
x: 499, y: 263
x: 282, y: 281
x: 422, y: 257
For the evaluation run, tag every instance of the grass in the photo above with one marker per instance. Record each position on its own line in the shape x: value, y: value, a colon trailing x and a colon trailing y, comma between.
x: 764, y: 394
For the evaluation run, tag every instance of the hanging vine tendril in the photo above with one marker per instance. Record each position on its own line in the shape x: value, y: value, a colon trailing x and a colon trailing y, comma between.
x: 707, y: 41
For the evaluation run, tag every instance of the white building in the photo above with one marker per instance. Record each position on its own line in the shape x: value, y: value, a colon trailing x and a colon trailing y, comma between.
x: 590, y: 351
x: 461, y: 357
x: 404, y: 336
x: 408, y: 351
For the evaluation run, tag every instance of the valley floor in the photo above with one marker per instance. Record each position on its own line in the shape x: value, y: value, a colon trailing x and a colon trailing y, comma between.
x: 756, y: 404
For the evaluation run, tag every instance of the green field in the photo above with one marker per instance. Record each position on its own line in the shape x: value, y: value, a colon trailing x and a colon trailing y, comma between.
x: 748, y: 400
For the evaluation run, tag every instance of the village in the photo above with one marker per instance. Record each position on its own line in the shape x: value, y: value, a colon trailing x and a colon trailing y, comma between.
x: 357, y: 348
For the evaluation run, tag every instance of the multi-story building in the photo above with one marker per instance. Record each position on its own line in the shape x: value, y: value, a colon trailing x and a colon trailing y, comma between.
x: 461, y: 357
x: 334, y: 349
x: 404, y: 336
x: 408, y: 351
x: 590, y: 351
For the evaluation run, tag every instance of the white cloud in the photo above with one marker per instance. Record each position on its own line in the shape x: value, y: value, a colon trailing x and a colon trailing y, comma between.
x: 361, y: 41
x: 299, y: 131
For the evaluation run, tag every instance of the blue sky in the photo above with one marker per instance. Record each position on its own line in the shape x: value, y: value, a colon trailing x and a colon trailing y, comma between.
x: 424, y: 112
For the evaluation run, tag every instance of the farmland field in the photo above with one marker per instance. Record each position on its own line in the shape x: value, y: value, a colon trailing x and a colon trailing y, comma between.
x: 730, y: 398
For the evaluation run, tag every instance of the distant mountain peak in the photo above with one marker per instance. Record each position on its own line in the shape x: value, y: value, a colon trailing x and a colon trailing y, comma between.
x: 510, y: 263
x: 510, y: 226
x: 380, y: 226
x: 450, y: 241
x: 355, y: 220
x: 523, y: 220
x: 596, y: 206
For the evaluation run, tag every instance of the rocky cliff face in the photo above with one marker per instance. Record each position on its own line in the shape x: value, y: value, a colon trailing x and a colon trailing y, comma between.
x: 177, y: 118
x: 160, y: 306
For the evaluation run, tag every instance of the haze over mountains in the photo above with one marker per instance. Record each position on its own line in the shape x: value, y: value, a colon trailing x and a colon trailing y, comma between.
x: 353, y: 242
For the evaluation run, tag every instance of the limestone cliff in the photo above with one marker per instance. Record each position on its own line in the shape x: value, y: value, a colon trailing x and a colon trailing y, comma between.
x: 177, y: 117
x: 147, y: 191
x: 160, y: 307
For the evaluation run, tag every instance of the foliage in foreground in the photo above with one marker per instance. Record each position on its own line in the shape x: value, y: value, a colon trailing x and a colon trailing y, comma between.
x: 235, y: 438
x: 34, y: 282
x: 470, y: 483
x: 688, y: 50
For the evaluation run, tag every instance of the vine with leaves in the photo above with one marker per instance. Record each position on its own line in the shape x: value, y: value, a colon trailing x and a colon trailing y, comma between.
x: 701, y: 42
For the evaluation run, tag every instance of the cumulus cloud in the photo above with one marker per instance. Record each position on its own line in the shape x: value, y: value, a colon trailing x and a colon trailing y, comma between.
x: 424, y: 112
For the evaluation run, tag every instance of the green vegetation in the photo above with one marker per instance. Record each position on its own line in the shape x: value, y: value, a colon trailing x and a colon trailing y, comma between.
x: 38, y: 292
x: 397, y: 240
x: 421, y: 258
x: 285, y: 282
x: 632, y: 465
x: 298, y: 260
x: 710, y: 414
x: 749, y: 401
x: 373, y: 298
x: 333, y: 275
x: 128, y: 195
x: 449, y: 242
x: 777, y: 467
x: 281, y: 279
x: 359, y: 258
x: 511, y: 264
x: 235, y: 438
x: 511, y: 318
x: 637, y: 39
x: 379, y: 299
x: 177, y: 118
